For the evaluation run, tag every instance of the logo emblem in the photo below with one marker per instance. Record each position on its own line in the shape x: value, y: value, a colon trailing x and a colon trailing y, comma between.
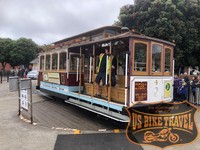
x: 167, y: 90
x: 162, y: 124
x: 167, y: 87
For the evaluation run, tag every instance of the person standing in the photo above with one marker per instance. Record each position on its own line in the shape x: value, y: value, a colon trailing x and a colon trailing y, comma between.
x: 177, y: 84
x: 103, y: 63
x: 187, y: 81
x: 193, y: 88
x: 182, y: 90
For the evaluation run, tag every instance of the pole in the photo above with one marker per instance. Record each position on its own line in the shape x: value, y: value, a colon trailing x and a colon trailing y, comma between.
x: 67, y: 64
x: 1, y: 76
x: 90, y: 71
x: 109, y: 74
x: 31, y: 102
x: 18, y: 83
x: 126, y: 80
x: 93, y: 71
x: 80, y: 71
x: 173, y: 67
x: 7, y: 74
x: 106, y: 70
x: 77, y: 67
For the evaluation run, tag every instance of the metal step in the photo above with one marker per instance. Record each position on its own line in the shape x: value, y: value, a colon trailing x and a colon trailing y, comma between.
x: 117, y: 116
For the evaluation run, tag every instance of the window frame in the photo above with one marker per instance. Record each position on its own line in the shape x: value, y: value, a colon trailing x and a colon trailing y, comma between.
x: 42, y: 66
x: 52, y: 61
x: 134, y: 72
x: 49, y: 61
x: 171, y: 61
x: 63, y: 69
x: 70, y: 61
x: 161, y: 61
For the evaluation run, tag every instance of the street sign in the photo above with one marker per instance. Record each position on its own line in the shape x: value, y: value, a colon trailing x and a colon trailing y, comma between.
x: 25, y: 83
x: 24, y: 99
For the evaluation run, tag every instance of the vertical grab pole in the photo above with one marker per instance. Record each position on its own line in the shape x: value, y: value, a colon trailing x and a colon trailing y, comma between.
x: 93, y: 71
x: 109, y: 73
x: 80, y: 70
x: 126, y: 80
x: 106, y: 70
x: 90, y: 73
x: 77, y: 66
x: 67, y: 64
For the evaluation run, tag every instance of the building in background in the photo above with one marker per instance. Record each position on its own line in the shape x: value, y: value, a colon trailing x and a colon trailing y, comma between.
x: 34, y: 64
x: 7, y: 67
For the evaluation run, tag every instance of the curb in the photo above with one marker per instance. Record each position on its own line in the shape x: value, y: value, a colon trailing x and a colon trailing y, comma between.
x: 76, y: 131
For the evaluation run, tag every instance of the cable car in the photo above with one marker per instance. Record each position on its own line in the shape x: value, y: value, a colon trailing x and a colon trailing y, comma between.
x: 143, y: 70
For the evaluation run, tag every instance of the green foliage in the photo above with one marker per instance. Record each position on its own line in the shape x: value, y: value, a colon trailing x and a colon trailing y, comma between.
x: 18, y: 52
x: 6, y: 46
x: 172, y: 20
x: 23, y: 52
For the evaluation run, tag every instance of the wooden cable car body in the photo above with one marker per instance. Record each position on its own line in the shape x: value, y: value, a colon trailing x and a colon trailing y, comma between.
x: 144, y: 71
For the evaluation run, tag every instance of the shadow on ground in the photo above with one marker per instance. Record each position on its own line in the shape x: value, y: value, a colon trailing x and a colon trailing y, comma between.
x: 108, y: 141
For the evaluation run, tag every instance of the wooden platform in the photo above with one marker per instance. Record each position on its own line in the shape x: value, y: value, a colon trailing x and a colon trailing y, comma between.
x: 55, y: 113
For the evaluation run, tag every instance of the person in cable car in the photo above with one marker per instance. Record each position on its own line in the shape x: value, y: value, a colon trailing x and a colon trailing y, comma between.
x: 101, y: 69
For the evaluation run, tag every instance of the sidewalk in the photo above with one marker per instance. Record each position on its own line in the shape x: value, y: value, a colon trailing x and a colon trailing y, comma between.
x: 17, y: 134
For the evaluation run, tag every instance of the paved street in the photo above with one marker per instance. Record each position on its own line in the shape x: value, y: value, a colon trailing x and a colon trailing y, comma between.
x: 54, y: 125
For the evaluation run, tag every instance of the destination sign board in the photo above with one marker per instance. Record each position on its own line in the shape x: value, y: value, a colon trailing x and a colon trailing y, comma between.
x: 140, y: 91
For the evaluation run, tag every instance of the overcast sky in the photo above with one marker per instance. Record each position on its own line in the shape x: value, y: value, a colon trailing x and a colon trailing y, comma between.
x: 47, y: 21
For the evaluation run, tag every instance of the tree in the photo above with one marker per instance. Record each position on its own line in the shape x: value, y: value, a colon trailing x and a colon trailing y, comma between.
x: 23, y: 52
x: 6, y: 46
x: 172, y: 20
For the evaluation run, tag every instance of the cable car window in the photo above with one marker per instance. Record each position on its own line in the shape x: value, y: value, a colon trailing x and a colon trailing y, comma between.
x: 54, y: 61
x: 63, y: 60
x: 41, y: 62
x: 47, y: 62
x: 73, y: 62
x: 167, y: 59
x: 140, y: 57
x: 156, y: 57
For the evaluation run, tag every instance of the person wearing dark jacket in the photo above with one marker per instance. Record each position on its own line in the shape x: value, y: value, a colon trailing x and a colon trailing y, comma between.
x: 193, y: 88
x: 187, y: 81
x: 101, y: 69
x: 102, y: 72
x: 177, y: 84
